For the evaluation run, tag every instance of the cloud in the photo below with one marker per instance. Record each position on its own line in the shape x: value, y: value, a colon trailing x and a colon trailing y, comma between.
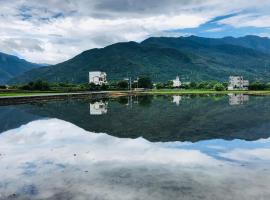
x: 63, y: 29
x: 21, y: 44
x: 248, y: 155
x: 248, y: 20
x: 54, y: 159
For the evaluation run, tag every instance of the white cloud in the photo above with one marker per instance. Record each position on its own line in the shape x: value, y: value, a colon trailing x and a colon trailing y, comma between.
x: 54, y: 159
x: 249, y: 155
x: 215, y: 29
x: 62, y: 29
x: 248, y: 20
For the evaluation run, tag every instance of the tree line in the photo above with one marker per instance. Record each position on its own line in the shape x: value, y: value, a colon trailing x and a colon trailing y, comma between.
x: 142, y: 82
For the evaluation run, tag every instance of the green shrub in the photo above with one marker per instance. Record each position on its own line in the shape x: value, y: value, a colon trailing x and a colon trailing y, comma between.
x: 36, y: 85
x: 145, y: 82
x: 257, y: 86
x: 122, y: 84
x: 219, y: 87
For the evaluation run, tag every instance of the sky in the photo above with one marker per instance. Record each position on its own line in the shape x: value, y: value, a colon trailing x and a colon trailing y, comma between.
x: 52, y: 31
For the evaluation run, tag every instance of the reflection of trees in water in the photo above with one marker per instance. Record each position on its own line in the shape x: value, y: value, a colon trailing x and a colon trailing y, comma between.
x: 197, y: 118
x: 143, y: 100
x: 122, y: 100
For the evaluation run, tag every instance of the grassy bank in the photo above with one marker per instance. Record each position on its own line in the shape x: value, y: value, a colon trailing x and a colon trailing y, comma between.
x: 26, y: 93
x: 187, y: 91
x: 151, y: 92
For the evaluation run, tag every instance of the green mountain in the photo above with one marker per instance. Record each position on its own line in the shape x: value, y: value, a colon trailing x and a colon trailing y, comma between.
x: 162, y: 58
x: 11, y: 66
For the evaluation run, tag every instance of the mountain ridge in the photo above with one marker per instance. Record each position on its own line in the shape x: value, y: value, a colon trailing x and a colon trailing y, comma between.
x: 162, y: 58
x: 11, y: 66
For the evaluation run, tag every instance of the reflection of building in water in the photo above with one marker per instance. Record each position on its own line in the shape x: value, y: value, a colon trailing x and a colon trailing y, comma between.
x: 177, y: 99
x: 237, y: 99
x: 98, y: 108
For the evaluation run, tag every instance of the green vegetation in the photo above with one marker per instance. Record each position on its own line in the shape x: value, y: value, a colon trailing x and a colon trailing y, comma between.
x: 15, y: 94
x: 204, y: 87
x: 197, y: 91
x: 122, y: 84
x: 145, y: 82
x: 36, y: 85
x: 259, y: 86
x: 11, y: 66
x: 219, y: 87
x: 193, y: 58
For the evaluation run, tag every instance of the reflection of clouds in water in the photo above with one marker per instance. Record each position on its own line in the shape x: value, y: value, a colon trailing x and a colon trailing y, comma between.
x: 248, y: 155
x: 98, y: 108
x: 53, y: 159
x: 66, y: 138
x: 234, y: 150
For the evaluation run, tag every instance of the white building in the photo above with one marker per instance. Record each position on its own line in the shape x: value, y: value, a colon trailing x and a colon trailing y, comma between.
x: 98, y: 108
x: 237, y: 83
x: 98, y: 78
x: 176, y: 82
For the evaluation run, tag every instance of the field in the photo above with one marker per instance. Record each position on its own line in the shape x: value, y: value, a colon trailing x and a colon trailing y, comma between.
x: 150, y: 92
x: 181, y: 91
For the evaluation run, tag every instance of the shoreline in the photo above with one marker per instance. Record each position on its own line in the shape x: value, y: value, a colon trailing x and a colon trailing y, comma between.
x: 32, y: 97
x: 43, y: 97
x: 171, y: 91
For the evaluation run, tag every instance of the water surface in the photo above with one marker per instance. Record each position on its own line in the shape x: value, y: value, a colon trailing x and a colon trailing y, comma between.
x: 147, y: 147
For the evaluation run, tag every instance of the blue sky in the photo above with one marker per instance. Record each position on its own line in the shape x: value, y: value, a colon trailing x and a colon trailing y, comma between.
x: 214, y: 29
x: 53, y: 31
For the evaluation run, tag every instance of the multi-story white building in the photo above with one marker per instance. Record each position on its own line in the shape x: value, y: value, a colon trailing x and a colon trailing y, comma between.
x: 98, y: 78
x: 237, y: 83
x: 176, y: 82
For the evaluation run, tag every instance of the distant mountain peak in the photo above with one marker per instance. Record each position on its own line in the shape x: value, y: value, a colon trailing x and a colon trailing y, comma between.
x: 162, y: 58
x: 11, y: 66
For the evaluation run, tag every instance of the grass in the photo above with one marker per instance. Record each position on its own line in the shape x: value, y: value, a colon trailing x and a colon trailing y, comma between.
x: 197, y: 91
x: 154, y: 91
x: 25, y: 93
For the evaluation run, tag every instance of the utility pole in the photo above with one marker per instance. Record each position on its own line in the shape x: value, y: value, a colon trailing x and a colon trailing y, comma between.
x: 130, y: 85
x: 128, y: 79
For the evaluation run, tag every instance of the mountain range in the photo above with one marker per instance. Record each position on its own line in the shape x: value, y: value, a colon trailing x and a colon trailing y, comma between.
x: 162, y: 58
x: 11, y: 66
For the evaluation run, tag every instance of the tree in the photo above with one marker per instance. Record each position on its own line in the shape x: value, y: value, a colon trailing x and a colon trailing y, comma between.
x: 219, y: 87
x: 41, y: 85
x: 93, y: 87
x: 169, y: 84
x: 37, y: 85
x: 193, y: 85
x: 159, y: 85
x: 122, y: 84
x: 104, y: 87
x: 257, y: 86
x: 203, y: 85
x: 145, y: 82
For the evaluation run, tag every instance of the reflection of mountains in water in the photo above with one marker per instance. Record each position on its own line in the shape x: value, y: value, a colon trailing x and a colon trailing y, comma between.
x: 159, y: 119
